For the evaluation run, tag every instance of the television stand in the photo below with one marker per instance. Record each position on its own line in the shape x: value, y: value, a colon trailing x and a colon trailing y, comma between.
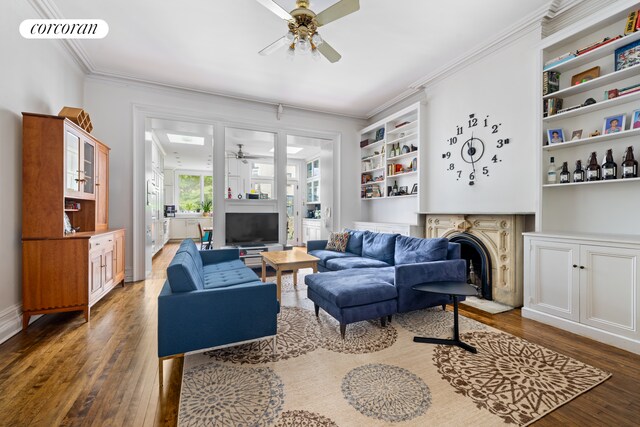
x: 250, y: 253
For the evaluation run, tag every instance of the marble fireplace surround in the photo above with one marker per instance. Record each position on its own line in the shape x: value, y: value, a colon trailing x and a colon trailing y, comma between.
x: 501, y: 234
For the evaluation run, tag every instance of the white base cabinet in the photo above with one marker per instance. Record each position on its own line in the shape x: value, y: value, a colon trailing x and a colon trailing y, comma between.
x: 387, y: 227
x: 187, y: 228
x: 589, y: 281
x: 311, y: 229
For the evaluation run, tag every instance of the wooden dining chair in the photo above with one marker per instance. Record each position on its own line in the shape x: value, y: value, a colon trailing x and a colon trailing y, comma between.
x: 205, y: 238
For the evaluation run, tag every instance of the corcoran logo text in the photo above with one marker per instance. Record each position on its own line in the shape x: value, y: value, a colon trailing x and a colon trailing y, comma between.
x: 64, y: 29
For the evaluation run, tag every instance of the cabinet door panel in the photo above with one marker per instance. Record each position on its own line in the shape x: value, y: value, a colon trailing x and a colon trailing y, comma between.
x: 555, y: 282
x: 72, y: 163
x: 107, y: 262
x: 102, y: 195
x: 95, y: 274
x: 608, y: 295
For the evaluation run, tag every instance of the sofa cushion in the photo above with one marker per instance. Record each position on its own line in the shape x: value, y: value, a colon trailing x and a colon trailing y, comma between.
x: 324, y: 255
x: 223, y: 266
x: 355, y: 287
x: 222, y: 279
x: 183, y: 274
x: 338, y: 242
x: 190, y: 248
x: 354, y: 262
x: 354, y: 245
x: 410, y: 250
x: 380, y: 246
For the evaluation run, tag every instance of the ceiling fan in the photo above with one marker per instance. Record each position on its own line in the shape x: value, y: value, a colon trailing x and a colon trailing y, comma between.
x: 241, y: 155
x: 303, y: 27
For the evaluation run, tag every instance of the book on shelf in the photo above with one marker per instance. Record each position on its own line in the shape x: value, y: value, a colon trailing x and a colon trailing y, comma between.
x: 559, y: 60
x: 550, y: 82
x: 632, y: 23
x: 606, y: 41
x: 552, y: 106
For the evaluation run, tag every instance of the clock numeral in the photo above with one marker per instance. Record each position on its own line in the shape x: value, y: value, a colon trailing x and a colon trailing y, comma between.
x: 459, y: 174
x: 473, y: 122
x: 472, y: 176
x: 502, y: 142
x: 453, y: 140
x: 494, y: 128
x: 451, y: 166
x: 447, y: 155
x: 486, y: 122
x: 459, y: 130
x: 485, y: 171
x: 494, y: 159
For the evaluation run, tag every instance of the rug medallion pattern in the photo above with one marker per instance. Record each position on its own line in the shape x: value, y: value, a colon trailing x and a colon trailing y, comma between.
x: 220, y: 395
x: 513, y: 378
x: 360, y: 337
x: 386, y: 392
x: 303, y: 419
x: 435, y: 322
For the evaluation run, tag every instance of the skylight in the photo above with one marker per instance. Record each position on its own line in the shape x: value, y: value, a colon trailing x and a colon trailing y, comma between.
x: 290, y: 150
x: 185, y: 139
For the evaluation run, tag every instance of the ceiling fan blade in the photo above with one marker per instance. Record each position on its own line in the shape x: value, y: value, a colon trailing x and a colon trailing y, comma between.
x: 330, y: 53
x: 275, y: 8
x: 337, y: 11
x: 282, y: 41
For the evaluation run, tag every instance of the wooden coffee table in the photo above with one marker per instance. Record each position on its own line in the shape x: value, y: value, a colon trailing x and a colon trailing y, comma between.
x: 287, y: 261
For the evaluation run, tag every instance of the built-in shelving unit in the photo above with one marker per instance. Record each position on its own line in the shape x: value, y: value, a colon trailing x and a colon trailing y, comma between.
x: 574, y: 279
x: 391, y: 156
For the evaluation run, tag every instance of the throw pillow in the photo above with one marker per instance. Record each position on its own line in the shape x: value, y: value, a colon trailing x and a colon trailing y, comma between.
x: 338, y: 242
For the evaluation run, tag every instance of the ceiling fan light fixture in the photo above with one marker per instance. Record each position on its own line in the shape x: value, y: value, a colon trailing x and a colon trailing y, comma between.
x: 317, y: 40
x: 290, y: 36
x: 303, y: 45
x: 291, y: 52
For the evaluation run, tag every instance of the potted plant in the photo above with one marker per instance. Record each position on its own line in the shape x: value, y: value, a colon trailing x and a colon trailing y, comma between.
x: 206, y: 207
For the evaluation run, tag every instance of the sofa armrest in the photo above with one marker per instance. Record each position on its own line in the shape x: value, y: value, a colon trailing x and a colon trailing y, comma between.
x: 208, y: 318
x: 409, y: 275
x: 219, y: 255
x: 314, y: 245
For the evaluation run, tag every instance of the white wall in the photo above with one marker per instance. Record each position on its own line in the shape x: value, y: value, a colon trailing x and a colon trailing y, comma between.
x: 111, y: 104
x: 499, y: 85
x: 37, y: 76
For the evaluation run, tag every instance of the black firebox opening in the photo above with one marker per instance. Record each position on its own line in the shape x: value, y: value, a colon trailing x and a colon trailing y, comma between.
x: 478, y: 262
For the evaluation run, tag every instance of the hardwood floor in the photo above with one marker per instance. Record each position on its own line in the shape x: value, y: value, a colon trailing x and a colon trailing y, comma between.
x: 62, y: 371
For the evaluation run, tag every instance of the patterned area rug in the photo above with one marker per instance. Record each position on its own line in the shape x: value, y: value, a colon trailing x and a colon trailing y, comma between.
x: 378, y: 376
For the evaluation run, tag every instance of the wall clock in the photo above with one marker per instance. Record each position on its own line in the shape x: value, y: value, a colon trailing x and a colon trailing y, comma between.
x: 475, y: 149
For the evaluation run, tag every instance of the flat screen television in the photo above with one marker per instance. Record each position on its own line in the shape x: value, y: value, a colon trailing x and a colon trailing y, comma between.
x: 247, y: 228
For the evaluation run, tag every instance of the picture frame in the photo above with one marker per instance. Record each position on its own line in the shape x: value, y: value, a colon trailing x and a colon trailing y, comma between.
x: 380, y: 134
x: 635, y: 119
x: 555, y: 136
x: 403, y: 190
x: 585, y: 76
x: 414, y: 189
x: 627, y: 56
x: 576, y: 134
x: 613, y: 124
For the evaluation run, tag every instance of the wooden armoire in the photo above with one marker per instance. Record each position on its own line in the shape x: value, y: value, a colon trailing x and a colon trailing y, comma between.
x: 65, y: 171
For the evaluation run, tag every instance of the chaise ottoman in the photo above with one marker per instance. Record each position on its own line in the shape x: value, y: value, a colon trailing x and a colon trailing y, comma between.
x: 354, y: 295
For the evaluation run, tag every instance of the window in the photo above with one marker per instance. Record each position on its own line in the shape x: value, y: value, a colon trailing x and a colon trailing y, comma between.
x: 194, y: 190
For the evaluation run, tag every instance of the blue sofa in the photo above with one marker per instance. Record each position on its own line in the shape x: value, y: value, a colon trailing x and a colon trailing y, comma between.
x: 211, y: 299
x: 374, y: 277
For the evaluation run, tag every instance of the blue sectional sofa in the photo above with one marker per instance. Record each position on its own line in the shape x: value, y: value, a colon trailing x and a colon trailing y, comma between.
x: 212, y: 299
x: 374, y: 277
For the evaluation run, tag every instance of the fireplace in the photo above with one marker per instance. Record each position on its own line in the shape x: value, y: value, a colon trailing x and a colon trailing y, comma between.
x: 493, y: 244
x: 478, y: 262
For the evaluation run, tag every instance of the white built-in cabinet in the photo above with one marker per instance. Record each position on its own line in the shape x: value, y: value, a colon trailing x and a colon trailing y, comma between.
x: 187, y: 228
x: 386, y: 227
x: 587, y: 285
x: 575, y: 280
x: 311, y: 229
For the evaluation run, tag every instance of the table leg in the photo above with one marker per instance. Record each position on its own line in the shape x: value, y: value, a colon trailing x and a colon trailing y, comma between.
x: 279, y: 283
x: 456, y: 333
x: 315, y: 267
x: 295, y: 277
x: 264, y: 271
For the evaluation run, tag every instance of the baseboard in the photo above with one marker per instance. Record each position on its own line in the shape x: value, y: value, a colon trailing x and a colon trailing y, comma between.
x: 609, y: 338
x: 11, y: 321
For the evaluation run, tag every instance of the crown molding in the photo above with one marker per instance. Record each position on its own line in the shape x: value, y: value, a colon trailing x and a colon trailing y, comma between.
x: 571, y: 11
x: 127, y: 80
x: 47, y: 9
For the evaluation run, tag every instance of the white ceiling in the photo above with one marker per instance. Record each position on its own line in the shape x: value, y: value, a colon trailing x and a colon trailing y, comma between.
x: 213, y: 46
